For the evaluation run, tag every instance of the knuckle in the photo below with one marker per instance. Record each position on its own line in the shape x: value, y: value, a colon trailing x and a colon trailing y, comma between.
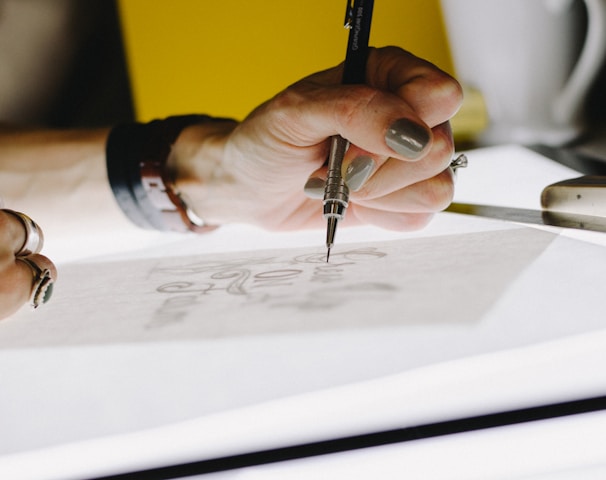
x: 448, y: 90
x: 287, y: 101
x: 352, y: 101
x: 289, y: 97
x: 441, y: 154
x: 442, y: 89
x: 44, y: 262
x: 439, y: 192
x: 437, y: 96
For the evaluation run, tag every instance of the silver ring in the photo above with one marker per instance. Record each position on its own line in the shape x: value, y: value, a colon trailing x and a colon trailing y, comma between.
x: 42, y: 283
x: 34, y: 238
x: 459, y: 162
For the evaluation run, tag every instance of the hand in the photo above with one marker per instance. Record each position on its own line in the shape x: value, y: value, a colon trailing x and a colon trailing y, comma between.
x: 23, y: 271
x: 401, y: 149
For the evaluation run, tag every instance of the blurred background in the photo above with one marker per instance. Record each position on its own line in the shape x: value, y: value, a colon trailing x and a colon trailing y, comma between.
x: 227, y: 57
x: 69, y: 63
x: 74, y: 63
x: 62, y: 63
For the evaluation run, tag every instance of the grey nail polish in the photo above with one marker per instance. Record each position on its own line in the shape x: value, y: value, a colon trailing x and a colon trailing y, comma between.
x: 314, y: 188
x: 406, y: 138
x: 358, y: 171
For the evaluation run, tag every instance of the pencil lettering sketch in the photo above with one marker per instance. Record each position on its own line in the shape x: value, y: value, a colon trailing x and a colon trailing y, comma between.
x: 446, y: 281
x: 273, y: 282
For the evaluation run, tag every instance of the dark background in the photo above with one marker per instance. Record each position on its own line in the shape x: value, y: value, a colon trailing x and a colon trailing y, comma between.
x: 96, y: 91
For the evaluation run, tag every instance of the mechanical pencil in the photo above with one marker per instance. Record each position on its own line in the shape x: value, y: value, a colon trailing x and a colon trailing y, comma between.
x: 358, y: 18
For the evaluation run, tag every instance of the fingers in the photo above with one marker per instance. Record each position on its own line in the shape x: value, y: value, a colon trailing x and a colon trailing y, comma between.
x: 392, y: 185
x: 433, y: 94
x: 28, y: 235
x: 26, y: 280
x: 43, y: 274
x: 25, y: 275
x: 392, y: 174
x: 389, y: 220
x: 356, y: 169
x: 430, y: 195
x: 376, y: 121
x: 392, y: 115
x: 396, y: 123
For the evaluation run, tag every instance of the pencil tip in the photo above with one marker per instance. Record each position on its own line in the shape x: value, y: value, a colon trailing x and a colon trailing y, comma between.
x: 330, y: 235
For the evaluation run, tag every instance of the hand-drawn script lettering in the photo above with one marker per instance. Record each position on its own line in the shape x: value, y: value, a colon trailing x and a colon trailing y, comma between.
x: 303, y: 283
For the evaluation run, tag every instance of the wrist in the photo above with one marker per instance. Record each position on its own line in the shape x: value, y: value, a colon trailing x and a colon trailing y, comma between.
x: 198, y: 167
x: 138, y: 157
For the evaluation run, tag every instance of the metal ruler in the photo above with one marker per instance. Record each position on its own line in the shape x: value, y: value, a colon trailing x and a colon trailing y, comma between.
x: 533, y: 217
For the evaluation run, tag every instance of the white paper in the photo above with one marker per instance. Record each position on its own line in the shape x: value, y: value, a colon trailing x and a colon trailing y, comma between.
x: 194, y: 334
x: 450, y: 281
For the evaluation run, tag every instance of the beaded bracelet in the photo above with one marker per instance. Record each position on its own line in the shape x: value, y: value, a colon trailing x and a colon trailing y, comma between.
x: 136, y: 156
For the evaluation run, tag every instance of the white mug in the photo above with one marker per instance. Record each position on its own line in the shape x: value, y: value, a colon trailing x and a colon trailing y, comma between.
x: 533, y: 61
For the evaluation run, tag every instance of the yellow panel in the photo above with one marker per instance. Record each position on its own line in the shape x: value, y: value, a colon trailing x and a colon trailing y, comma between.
x: 226, y: 57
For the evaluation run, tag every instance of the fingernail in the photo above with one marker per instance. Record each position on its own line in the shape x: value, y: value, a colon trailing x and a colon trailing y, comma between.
x: 358, y: 171
x: 407, y: 138
x: 314, y: 188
